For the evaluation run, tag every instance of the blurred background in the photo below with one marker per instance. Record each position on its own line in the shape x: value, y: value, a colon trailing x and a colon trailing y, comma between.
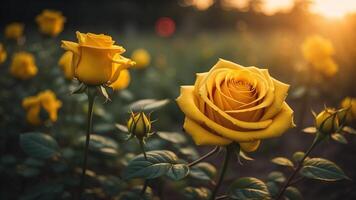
x: 181, y: 38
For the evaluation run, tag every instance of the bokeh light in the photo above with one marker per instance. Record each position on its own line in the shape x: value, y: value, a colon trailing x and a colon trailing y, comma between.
x: 165, y: 27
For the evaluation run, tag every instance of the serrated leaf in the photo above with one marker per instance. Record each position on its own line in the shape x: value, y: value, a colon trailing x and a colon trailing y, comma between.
x: 349, y: 130
x: 339, y: 138
x: 148, y: 104
x: 322, y: 169
x: 276, y: 176
x: 249, y: 188
x: 178, y: 171
x: 158, y: 163
x: 203, y: 171
x: 293, y: 193
x: 173, y: 137
x: 200, y: 193
x: 282, y: 161
x: 38, y: 145
x: 298, y: 156
x: 310, y: 130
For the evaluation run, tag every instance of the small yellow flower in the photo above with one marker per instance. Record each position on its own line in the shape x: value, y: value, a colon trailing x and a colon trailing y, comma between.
x: 96, y: 60
x: 327, y: 121
x: 349, y: 104
x: 65, y: 62
x: 23, y: 66
x: 50, y: 22
x: 46, y: 101
x: 141, y: 57
x: 3, y: 54
x: 318, y: 51
x: 139, y: 125
x: 14, y: 31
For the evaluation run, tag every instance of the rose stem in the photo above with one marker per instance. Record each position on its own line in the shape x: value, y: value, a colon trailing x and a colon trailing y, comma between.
x: 216, y: 149
x: 91, y: 93
x: 299, y: 166
x: 142, y: 145
x: 222, y: 173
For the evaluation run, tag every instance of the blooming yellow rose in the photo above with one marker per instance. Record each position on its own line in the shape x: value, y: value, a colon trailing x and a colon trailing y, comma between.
x: 50, y: 22
x: 14, y: 31
x: 23, y: 66
x: 122, y: 81
x: 141, y: 57
x: 349, y: 103
x: 96, y: 60
x: 232, y: 103
x: 3, y: 54
x: 318, y: 51
x: 45, y: 100
x: 65, y: 62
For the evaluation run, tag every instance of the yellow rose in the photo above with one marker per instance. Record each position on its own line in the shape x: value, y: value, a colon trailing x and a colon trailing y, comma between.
x: 23, y: 66
x: 50, y: 22
x: 232, y: 103
x: 45, y: 100
x: 318, y: 51
x: 122, y: 81
x: 327, y: 121
x: 349, y: 103
x: 96, y: 60
x: 14, y: 31
x: 65, y: 62
x: 141, y: 57
x: 3, y: 54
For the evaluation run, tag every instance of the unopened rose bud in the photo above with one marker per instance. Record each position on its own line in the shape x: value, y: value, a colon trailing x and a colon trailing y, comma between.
x: 139, y: 125
x: 327, y: 121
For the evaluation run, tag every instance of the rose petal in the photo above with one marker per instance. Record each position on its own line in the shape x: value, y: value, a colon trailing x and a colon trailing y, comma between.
x: 250, y: 146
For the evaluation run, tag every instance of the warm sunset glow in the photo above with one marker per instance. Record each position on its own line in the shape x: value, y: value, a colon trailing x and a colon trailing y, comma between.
x: 334, y: 8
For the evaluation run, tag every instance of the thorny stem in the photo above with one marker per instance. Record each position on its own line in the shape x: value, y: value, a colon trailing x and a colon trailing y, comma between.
x: 91, y: 98
x: 221, y: 174
x: 216, y: 149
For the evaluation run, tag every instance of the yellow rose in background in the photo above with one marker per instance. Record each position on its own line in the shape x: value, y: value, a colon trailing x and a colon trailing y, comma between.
x: 65, y: 62
x: 96, y: 60
x: 50, y: 22
x: 141, y: 57
x: 3, y: 54
x: 23, y: 66
x: 14, y: 31
x: 318, y: 51
x: 232, y: 103
x: 46, y: 101
x: 349, y: 103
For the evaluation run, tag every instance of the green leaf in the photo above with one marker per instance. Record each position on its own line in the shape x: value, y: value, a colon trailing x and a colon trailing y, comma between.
x: 148, y: 104
x: 339, y: 138
x: 349, y: 130
x: 122, y: 128
x: 245, y: 156
x: 100, y: 144
x: 282, y: 161
x: 293, y: 193
x: 310, y: 130
x: 79, y: 89
x: 203, y: 171
x: 298, y: 156
x: 276, y: 176
x: 103, y: 92
x: 38, y: 145
x: 135, y: 194
x: 273, y: 188
x: 200, y: 193
x: 178, y: 171
x: 173, y: 137
x: 158, y: 163
x: 322, y: 169
x: 249, y: 188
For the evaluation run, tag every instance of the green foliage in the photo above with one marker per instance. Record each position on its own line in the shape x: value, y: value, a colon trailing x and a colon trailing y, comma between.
x: 248, y: 188
x: 339, y: 138
x: 298, y: 156
x: 203, y: 171
x: 148, y: 105
x: 276, y: 176
x: 322, y: 169
x: 282, y: 161
x: 196, y: 193
x: 100, y: 144
x: 39, y: 145
x: 158, y: 163
x: 293, y: 193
